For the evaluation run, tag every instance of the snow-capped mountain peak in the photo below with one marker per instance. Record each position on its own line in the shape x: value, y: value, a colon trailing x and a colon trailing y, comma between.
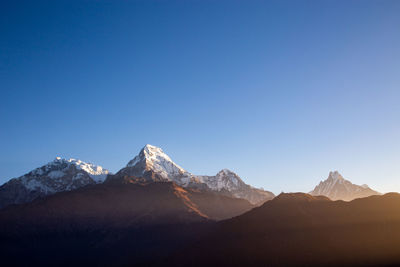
x: 226, y: 172
x: 97, y: 173
x: 153, y: 165
x: 153, y: 159
x: 224, y: 180
x: 335, y: 175
x: 336, y: 187
x: 56, y: 176
x: 227, y: 178
x: 153, y: 156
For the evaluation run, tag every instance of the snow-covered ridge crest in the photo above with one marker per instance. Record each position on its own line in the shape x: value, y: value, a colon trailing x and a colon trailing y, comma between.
x: 60, y: 170
x: 56, y: 176
x: 98, y: 173
x: 152, y: 164
x: 224, y: 179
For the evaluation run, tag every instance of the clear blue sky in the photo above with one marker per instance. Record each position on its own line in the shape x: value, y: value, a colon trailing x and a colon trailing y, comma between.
x: 281, y: 92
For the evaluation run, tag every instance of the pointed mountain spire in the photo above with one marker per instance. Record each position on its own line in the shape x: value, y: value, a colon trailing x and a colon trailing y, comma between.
x: 337, y: 188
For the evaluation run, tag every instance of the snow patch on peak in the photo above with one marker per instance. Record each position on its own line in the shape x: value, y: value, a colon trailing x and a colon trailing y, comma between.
x: 97, y: 173
x: 335, y: 175
x: 149, y: 153
x: 226, y: 172
x: 58, y: 167
x: 154, y: 154
x: 153, y: 149
x: 152, y: 158
x: 56, y: 174
x: 224, y: 179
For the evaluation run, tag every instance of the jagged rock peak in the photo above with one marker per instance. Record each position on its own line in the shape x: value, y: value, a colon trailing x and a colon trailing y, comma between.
x: 229, y: 177
x: 226, y: 172
x: 337, y: 188
x: 335, y: 175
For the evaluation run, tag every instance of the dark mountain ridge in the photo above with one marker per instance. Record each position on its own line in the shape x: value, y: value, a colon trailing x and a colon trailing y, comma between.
x: 112, y: 223
x: 300, y: 229
x: 126, y: 204
x: 159, y: 224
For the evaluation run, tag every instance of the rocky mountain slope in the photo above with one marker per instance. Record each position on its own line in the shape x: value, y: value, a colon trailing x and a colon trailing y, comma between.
x: 153, y: 165
x: 337, y: 188
x: 56, y: 176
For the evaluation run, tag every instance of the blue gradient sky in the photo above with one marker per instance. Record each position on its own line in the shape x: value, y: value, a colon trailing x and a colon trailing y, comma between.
x: 281, y: 92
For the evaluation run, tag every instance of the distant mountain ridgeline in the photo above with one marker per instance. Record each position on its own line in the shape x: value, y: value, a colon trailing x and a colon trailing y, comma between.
x: 151, y: 165
x: 153, y: 212
x: 160, y: 224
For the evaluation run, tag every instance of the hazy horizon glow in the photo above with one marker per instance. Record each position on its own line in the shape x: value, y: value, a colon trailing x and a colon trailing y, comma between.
x: 280, y: 92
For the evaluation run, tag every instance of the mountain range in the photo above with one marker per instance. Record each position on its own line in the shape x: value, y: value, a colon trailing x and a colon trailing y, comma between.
x: 150, y: 165
x: 152, y: 212
x: 153, y: 165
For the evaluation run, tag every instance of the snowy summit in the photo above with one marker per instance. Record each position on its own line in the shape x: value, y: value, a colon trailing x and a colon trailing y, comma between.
x: 153, y: 165
x: 336, y: 187
x: 56, y: 176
